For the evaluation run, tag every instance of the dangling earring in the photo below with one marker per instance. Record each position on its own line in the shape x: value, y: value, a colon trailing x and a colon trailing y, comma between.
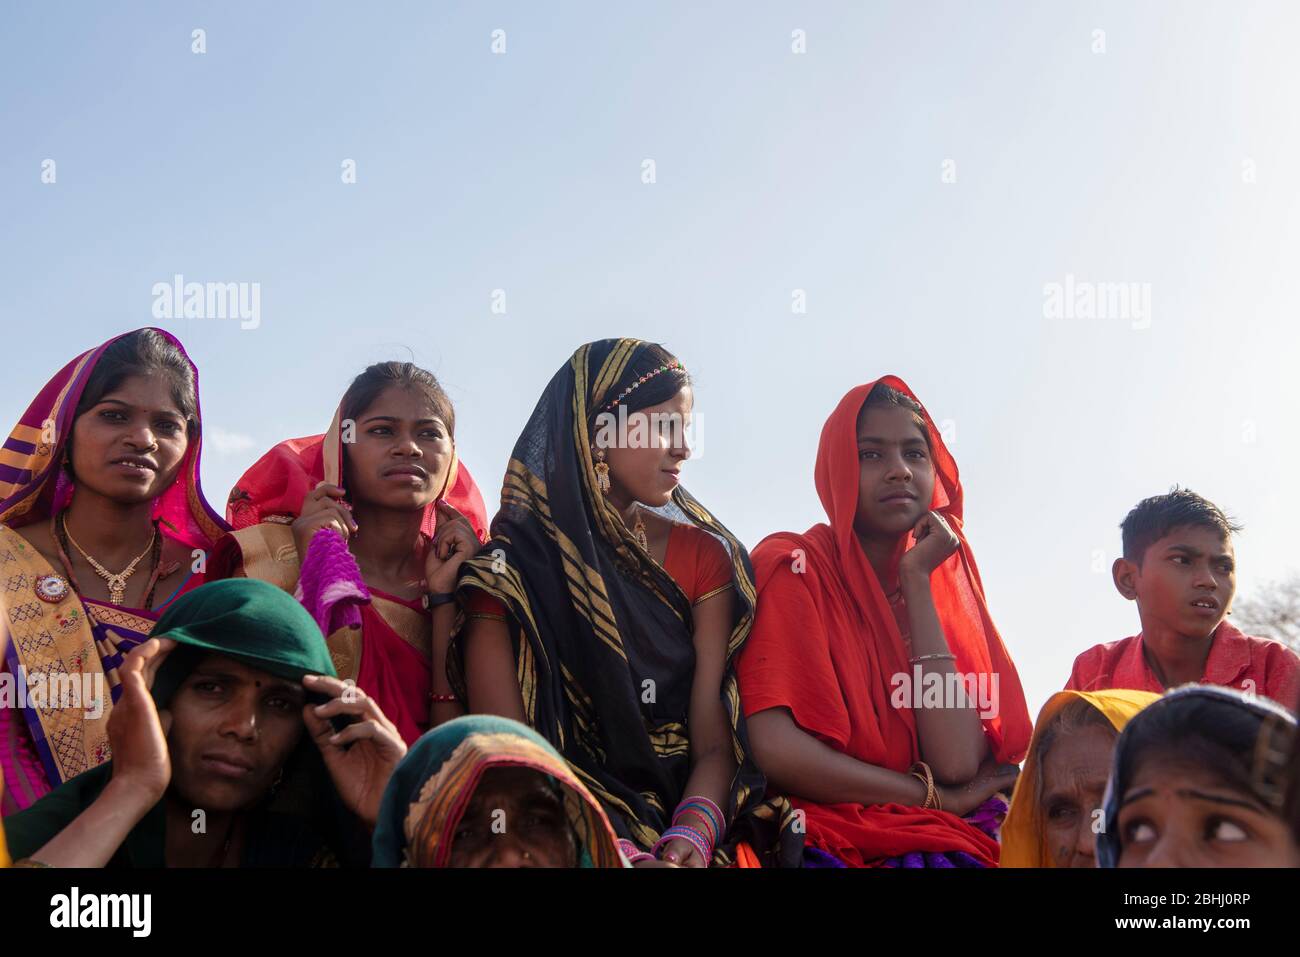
x: 602, y: 472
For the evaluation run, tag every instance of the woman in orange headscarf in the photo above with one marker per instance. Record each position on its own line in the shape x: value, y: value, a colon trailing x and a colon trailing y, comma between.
x: 879, y: 694
x: 1056, y: 811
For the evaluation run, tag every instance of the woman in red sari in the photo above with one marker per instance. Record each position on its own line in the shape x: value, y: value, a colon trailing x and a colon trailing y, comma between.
x: 102, y: 525
x: 879, y: 695
x: 368, y: 525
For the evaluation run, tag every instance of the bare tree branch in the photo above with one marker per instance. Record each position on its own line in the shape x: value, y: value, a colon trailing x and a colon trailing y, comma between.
x: 1272, y: 611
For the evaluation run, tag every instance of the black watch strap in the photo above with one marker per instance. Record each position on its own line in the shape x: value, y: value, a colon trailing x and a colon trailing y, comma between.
x: 432, y: 598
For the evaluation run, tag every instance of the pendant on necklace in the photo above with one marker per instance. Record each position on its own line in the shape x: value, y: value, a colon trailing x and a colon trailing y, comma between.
x: 116, y: 589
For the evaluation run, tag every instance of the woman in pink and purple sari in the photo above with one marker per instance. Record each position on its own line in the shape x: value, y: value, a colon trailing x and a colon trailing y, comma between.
x: 368, y: 525
x: 102, y: 525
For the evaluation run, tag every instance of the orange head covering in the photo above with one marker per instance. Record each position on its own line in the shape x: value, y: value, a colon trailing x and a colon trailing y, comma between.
x: 1023, y: 843
x: 958, y: 592
x: 829, y: 645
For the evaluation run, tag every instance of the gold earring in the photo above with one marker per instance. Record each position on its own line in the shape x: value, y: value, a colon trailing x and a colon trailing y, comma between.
x: 602, y: 472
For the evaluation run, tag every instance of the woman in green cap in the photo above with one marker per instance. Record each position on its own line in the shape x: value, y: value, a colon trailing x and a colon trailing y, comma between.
x: 211, y: 766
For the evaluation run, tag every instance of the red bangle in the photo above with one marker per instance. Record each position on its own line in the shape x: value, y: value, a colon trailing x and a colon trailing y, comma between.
x: 444, y: 699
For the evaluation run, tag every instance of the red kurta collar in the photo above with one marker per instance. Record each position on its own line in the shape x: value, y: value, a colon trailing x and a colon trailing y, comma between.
x: 1227, y: 662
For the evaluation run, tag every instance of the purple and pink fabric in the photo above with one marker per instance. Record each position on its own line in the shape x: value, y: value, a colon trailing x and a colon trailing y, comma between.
x: 34, y: 487
x: 330, y: 586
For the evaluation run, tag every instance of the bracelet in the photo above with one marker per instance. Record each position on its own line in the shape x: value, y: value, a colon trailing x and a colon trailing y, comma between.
x: 632, y: 852
x: 443, y: 698
x: 708, y: 805
x: 701, y: 817
x: 686, y: 833
x: 704, y: 809
x: 931, y: 792
x: 944, y: 655
x: 432, y: 598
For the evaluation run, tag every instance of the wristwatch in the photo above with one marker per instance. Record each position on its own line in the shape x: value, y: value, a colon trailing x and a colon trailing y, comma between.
x: 432, y: 598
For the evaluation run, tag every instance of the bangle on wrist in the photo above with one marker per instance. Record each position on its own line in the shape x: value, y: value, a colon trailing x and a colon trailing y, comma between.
x: 689, y: 834
x: 706, y: 812
x: 632, y: 852
x: 921, y: 771
x: 939, y: 656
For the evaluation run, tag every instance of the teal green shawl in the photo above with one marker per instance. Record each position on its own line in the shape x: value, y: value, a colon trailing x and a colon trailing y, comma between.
x: 430, y: 788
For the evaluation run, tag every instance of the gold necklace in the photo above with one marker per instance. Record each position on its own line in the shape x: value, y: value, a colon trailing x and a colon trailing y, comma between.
x: 116, y: 582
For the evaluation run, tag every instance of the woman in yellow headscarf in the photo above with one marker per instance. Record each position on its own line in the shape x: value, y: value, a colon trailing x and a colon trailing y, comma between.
x: 1056, y: 809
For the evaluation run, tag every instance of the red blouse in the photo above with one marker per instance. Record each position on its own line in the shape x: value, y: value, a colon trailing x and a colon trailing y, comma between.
x: 694, y: 559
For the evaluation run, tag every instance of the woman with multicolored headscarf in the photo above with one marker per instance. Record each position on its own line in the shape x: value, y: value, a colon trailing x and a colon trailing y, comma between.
x: 102, y: 524
x: 607, y: 610
x: 486, y: 791
x: 1056, y: 809
x: 368, y: 525
x: 1199, y: 779
x: 235, y: 745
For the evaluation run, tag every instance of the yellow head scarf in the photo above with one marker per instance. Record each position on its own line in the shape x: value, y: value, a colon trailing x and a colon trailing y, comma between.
x: 1022, y: 831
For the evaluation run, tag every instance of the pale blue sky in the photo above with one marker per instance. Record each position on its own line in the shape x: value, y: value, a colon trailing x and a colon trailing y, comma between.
x: 775, y: 171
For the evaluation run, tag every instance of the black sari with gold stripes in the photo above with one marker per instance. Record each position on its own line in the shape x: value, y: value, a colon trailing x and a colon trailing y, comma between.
x: 595, y: 617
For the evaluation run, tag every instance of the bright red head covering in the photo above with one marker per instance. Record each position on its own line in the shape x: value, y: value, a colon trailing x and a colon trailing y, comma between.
x: 825, y: 644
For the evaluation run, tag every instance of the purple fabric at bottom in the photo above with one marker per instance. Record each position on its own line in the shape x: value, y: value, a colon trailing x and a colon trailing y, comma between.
x: 928, y: 859
x: 816, y: 857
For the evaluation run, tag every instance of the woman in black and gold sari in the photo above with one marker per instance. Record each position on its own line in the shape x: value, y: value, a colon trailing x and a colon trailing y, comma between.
x: 607, y: 610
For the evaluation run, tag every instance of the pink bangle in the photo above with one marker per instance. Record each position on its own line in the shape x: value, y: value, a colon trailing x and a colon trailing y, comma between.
x: 632, y: 852
x: 686, y: 833
x: 701, y: 817
x: 719, y: 820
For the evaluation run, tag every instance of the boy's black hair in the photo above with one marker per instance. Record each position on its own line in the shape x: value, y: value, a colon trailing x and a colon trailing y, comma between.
x: 1155, y: 517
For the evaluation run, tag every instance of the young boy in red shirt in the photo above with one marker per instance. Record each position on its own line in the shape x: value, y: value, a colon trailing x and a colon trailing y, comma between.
x: 1178, y: 565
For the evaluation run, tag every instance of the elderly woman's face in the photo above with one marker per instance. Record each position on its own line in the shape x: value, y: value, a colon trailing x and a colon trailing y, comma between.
x: 1172, y: 815
x: 1074, y: 782
x: 515, y: 818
